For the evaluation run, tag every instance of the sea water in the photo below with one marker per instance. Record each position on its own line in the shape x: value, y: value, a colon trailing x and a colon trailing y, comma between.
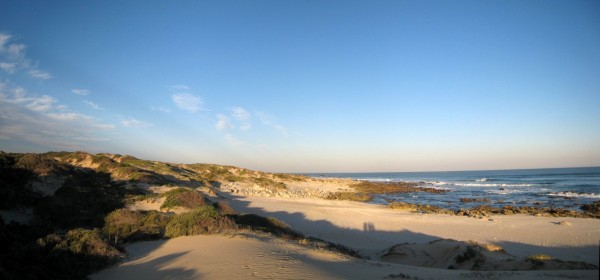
x: 555, y: 187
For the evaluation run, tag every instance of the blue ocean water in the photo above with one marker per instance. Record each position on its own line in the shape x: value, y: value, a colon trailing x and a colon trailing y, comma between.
x: 556, y: 187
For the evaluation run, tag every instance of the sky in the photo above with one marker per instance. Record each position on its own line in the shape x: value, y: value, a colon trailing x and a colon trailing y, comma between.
x: 306, y: 86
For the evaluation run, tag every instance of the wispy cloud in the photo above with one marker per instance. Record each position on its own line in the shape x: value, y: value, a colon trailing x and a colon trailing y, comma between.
x: 188, y: 102
x: 161, y: 109
x: 184, y: 100
x: 40, y: 120
x: 19, y: 96
x: 13, y: 59
x: 223, y: 122
x: 179, y: 88
x: 93, y: 105
x: 39, y: 74
x: 233, y: 141
x: 68, y: 116
x: 8, y: 67
x: 4, y: 40
x: 241, y: 115
x: 134, y: 123
x: 80, y: 91
x: 267, y: 120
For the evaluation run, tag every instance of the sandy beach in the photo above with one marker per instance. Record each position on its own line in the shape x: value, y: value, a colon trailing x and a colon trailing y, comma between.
x: 369, y: 229
x: 372, y: 228
x: 255, y: 256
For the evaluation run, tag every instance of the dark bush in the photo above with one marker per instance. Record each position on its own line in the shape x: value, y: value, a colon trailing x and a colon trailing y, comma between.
x: 224, y: 207
x: 202, y: 220
x: 41, y: 164
x: 266, y: 224
x: 14, y: 190
x: 125, y: 225
x: 83, y: 201
x: 183, y: 197
x: 78, y: 252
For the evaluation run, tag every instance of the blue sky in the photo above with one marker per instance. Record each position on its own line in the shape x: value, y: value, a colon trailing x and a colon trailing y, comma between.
x: 306, y: 86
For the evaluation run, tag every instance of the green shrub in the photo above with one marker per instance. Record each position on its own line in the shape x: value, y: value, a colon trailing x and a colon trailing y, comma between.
x: 126, y: 225
x: 291, y: 177
x: 203, y: 220
x: 266, y: 224
x: 184, y: 198
x: 224, y: 207
x: 40, y: 164
x: 79, y: 252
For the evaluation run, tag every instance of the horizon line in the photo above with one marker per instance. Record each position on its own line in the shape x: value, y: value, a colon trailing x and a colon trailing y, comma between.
x: 444, y: 171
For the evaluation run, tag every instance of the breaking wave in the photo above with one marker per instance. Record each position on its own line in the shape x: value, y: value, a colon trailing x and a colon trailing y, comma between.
x: 491, y: 185
x: 575, y: 194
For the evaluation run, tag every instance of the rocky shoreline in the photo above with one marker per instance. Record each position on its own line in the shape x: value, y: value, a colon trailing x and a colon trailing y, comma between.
x: 363, y: 191
x: 484, y: 211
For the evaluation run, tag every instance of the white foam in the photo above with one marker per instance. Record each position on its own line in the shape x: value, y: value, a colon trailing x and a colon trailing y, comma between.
x: 374, y: 179
x: 505, y: 192
x: 575, y: 194
x: 482, y: 180
x: 437, y: 183
x: 491, y: 185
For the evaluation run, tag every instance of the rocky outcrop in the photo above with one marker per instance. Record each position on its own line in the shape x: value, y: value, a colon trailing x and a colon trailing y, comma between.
x: 485, y: 211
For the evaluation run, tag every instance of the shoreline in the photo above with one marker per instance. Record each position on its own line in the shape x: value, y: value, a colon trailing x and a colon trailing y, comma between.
x: 568, y: 189
x: 372, y: 230
x: 238, y: 215
x: 379, y: 234
x: 366, y: 191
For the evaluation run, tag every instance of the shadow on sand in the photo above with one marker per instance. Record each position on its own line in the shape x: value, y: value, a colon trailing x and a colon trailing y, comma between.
x: 379, y: 240
x: 140, y: 268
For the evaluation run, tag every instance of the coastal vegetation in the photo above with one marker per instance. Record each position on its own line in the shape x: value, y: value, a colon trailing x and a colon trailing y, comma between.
x: 202, y: 220
x: 79, y: 215
x: 78, y: 221
x: 123, y: 225
x: 183, y: 197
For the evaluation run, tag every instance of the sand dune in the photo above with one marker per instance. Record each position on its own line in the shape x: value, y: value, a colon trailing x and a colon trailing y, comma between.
x: 395, y: 244
x: 257, y: 256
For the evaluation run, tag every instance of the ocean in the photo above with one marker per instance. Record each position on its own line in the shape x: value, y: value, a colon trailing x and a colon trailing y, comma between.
x: 567, y: 188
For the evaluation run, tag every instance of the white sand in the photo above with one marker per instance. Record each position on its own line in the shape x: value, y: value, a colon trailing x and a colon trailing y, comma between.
x: 147, y: 204
x: 262, y: 257
x: 370, y: 229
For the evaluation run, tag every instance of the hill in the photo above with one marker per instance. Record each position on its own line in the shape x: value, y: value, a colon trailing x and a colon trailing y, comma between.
x: 67, y: 214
